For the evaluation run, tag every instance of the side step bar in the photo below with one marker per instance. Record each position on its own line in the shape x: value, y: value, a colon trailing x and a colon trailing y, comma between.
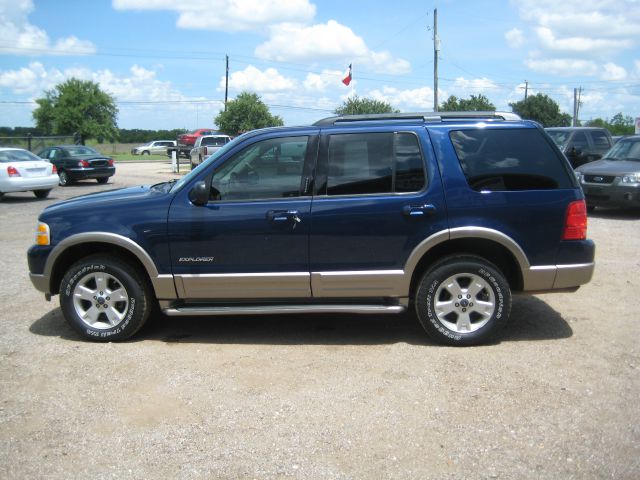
x: 279, y: 309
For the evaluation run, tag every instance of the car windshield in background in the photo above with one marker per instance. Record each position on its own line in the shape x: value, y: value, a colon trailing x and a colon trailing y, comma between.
x: 18, y: 156
x: 81, y: 151
x: 559, y: 137
x: 626, y: 149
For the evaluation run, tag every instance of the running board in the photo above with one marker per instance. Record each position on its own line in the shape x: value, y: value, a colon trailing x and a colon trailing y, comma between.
x: 279, y: 309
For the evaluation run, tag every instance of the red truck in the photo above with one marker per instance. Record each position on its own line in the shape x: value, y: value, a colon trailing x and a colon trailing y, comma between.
x: 187, y: 140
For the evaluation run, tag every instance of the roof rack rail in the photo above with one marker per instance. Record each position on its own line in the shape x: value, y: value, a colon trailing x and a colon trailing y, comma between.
x: 419, y: 117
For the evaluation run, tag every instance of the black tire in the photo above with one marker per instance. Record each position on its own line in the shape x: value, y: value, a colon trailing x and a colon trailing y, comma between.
x: 481, y: 309
x: 41, y: 193
x: 146, y: 152
x: 87, y: 289
x: 64, y: 179
x: 102, y: 180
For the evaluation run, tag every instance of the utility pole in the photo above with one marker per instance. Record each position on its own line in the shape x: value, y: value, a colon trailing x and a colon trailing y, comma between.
x: 436, y: 48
x: 226, y: 84
x: 575, y: 108
x: 526, y: 90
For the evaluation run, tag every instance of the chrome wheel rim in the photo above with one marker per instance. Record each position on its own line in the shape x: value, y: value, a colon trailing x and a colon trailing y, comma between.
x: 100, y: 300
x: 464, y: 303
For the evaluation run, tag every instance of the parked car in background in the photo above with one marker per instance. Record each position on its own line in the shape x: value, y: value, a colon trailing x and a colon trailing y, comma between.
x: 581, y: 144
x: 615, y: 179
x: 206, y: 146
x: 190, y: 138
x: 22, y: 171
x: 156, y: 147
x: 186, y: 142
x: 79, y: 162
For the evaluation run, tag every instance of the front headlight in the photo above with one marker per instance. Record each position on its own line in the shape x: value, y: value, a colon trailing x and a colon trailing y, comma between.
x: 42, y: 234
x: 631, y: 178
x: 578, y: 176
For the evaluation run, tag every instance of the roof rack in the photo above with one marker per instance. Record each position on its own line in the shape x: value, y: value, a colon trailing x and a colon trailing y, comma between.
x: 419, y: 117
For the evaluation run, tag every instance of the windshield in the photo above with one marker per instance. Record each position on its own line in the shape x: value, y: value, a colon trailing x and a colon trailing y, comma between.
x: 81, y: 151
x: 18, y: 156
x: 212, y: 158
x: 625, y: 149
x: 559, y: 137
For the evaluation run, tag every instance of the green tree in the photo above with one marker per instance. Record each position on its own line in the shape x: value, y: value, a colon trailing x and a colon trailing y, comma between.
x: 543, y: 110
x: 246, y: 112
x: 619, y: 125
x: 361, y: 106
x: 77, y: 106
x: 474, y: 103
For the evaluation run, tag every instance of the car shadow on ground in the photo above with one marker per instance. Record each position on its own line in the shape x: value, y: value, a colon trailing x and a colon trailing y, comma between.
x: 616, y: 213
x: 531, y: 319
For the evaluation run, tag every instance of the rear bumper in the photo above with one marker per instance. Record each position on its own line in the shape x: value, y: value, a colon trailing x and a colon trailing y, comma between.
x: 25, y: 184
x: 98, y: 172
x: 578, y: 269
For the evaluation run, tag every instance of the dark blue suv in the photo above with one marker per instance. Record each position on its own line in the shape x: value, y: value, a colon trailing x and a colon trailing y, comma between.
x: 443, y: 213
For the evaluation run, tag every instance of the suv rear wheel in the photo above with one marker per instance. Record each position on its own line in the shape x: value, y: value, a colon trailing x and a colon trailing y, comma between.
x: 103, y: 299
x: 463, y: 300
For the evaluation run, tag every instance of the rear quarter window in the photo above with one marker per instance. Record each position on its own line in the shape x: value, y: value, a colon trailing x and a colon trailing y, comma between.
x: 509, y: 160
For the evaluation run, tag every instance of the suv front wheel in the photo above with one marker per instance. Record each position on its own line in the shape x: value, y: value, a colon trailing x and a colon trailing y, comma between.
x: 103, y: 299
x: 463, y: 300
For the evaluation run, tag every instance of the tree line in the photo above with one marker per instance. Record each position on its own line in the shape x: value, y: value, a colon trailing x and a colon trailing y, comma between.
x: 82, y: 108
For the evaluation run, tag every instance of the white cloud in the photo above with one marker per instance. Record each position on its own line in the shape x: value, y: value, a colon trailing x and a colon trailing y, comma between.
x: 319, y: 82
x: 563, y: 67
x: 255, y: 80
x: 140, y: 85
x: 406, y: 100
x: 613, y: 72
x: 330, y: 41
x: 515, y: 38
x: 227, y: 15
x: 19, y: 37
x: 580, y: 44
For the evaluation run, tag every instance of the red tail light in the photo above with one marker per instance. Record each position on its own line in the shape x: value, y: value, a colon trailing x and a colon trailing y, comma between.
x: 13, y: 172
x: 84, y: 164
x: 111, y: 162
x: 575, y: 223
x: 54, y: 169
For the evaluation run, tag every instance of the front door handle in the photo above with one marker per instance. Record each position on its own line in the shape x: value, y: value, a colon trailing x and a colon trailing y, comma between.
x: 282, y: 216
x: 419, y: 210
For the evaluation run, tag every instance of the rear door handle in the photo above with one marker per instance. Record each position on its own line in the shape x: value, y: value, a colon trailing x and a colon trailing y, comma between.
x: 419, y: 210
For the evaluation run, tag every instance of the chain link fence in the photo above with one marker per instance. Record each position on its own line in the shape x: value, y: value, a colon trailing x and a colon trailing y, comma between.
x: 35, y: 144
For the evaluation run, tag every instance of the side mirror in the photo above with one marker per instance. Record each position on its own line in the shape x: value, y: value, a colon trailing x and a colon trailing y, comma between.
x: 199, y: 194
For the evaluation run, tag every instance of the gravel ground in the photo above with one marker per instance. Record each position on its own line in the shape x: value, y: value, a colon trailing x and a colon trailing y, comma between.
x: 322, y: 396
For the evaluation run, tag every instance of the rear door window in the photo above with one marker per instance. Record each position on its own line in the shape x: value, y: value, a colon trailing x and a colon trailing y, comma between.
x: 509, y: 160
x: 600, y: 140
x: 373, y: 163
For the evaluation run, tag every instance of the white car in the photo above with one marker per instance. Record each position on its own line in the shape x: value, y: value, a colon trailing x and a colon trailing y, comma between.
x: 22, y: 171
x: 157, y: 147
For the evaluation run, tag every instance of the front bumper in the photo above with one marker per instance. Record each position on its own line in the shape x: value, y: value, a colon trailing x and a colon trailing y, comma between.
x: 612, y: 195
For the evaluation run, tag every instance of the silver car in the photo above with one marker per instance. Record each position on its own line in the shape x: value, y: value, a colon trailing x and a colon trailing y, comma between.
x: 156, y: 147
x: 613, y: 181
x: 22, y: 171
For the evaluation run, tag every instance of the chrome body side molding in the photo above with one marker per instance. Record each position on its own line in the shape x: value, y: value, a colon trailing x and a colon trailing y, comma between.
x: 280, y: 309
x: 244, y: 285
x: 371, y: 283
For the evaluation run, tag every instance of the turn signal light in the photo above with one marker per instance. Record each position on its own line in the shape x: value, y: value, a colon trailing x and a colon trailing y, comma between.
x: 575, y: 223
x: 42, y: 234
x: 84, y: 164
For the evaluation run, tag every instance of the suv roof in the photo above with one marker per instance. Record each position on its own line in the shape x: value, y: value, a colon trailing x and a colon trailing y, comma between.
x: 420, y: 117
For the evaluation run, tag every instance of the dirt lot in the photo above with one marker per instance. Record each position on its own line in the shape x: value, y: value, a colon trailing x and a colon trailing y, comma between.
x: 322, y: 396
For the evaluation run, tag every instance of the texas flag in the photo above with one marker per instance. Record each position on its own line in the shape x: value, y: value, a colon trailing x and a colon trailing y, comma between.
x: 347, y: 76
